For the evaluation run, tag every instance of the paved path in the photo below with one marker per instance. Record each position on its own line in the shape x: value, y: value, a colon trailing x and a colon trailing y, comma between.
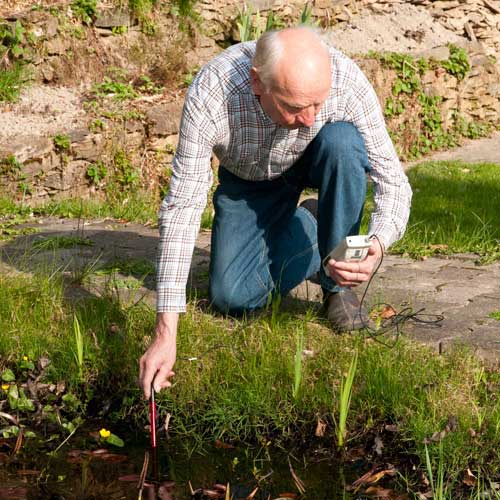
x: 463, y: 292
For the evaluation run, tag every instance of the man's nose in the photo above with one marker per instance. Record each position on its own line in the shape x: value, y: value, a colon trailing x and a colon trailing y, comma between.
x: 307, y: 116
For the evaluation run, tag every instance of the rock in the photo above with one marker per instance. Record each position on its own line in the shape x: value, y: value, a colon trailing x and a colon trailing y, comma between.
x: 113, y: 18
x: 164, y: 119
x: 56, y: 47
x: 89, y: 148
x: 78, y: 135
x: 27, y: 148
x: 51, y: 26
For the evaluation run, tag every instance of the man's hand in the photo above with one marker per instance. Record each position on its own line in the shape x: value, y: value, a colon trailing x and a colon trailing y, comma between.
x: 355, y: 273
x: 157, y: 362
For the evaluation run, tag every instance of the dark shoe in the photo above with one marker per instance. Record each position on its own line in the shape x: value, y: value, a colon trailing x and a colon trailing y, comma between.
x: 311, y: 205
x: 343, y: 311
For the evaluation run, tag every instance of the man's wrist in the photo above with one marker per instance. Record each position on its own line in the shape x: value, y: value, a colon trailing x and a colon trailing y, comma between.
x: 166, y: 324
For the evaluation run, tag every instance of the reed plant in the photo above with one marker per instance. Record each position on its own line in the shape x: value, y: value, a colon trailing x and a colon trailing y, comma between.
x: 78, y: 351
x: 344, y: 401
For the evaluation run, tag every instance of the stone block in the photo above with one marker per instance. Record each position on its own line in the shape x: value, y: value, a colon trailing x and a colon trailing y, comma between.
x: 27, y: 147
x: 74, y: 174
x: 90, y: 148
x: 112, y: 18
x: 164, y: 119
x: 56, y: 47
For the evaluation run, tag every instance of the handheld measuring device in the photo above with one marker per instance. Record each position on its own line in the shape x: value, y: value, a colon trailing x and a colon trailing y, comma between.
x: 351, y: 248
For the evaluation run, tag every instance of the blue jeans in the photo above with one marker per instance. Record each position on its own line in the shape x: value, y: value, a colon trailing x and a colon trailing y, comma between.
x: 263, y: 245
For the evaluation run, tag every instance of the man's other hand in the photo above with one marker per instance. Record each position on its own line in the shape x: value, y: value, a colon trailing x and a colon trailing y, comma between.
x: 354, y: 273
x: 157, y: 362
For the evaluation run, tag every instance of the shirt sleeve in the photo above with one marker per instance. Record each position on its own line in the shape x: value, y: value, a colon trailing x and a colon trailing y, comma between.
x: 181, y: 210
x: 392, y: 190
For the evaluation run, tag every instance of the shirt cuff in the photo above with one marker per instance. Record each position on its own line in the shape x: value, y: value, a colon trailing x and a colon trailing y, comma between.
x: 170, y: 299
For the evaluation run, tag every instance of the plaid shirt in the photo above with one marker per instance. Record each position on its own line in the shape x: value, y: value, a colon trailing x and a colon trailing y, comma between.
x: 222, y: 114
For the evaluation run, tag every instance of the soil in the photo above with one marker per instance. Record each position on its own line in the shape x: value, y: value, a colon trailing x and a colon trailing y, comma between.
x: 44, y: 111
x: 406, y: 29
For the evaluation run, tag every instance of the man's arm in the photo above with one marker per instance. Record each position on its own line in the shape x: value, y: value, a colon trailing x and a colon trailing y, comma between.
x: 157, y: 362
x: 179, y: 222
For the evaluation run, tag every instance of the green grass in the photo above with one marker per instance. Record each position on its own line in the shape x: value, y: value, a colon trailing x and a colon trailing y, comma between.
x: 58, y: 242
x: 453, y: 211
x: 12, y: 81
x: 237, y: 379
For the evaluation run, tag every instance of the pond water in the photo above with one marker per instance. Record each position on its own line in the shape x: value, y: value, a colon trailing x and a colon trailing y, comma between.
x: 114, y: 474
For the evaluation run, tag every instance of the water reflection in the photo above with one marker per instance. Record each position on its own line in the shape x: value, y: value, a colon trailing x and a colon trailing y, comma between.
x: 173, y: 473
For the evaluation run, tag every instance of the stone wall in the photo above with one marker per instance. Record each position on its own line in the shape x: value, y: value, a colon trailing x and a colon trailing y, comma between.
x: 147, y: 137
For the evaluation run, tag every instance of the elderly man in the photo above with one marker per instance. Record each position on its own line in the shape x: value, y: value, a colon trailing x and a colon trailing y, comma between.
x: 282, y: 114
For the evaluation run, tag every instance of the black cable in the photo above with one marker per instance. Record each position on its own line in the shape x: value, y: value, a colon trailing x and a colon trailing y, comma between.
x: 395, y: 322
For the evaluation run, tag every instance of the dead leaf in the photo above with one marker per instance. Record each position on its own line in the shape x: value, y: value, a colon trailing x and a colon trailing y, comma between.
x: 378, y: 445
x: 372, y: 476
x: 130, y: 478
x: 469, y: 478
x: 225, y: 446
x: 388, y: 312
x: 28, y: 472
x: 320, y: 428
x: 19, y: 442
x: 391, y: 428
x: 354, y: 454
x: 298, y: 482
x: 212, y: 493
x: 252, y: 494
x: 10, y: 493
x: 440, y: 246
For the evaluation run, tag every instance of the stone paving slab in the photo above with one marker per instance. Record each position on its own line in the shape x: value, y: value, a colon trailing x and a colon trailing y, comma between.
x: 463, y: 292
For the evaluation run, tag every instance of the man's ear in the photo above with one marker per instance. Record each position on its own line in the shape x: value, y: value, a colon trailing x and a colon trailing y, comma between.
x: 257, y: 87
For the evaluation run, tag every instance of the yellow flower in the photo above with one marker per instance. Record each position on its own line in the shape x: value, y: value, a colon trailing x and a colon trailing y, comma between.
x: 104, y: 433
x: 25, y: 358
x: 5, y: 387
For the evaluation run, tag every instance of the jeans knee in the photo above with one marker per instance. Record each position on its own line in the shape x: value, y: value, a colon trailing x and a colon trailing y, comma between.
x: 342, y: 140
x: 235, y: 299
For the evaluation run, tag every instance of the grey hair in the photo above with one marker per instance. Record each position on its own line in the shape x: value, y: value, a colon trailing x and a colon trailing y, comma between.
x: 269, y: 50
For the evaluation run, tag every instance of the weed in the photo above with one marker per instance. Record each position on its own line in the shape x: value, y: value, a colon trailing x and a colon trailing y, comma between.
x: 119, y: 30
x: 117, y: 90
x: 250, y: 28
x: 86, y: 10
x: 437, y: 483
x: 306, y: 16
x: 125, y: 173
x: 495, y: 315
x: 79, y: 346
x: 62, y: 142
x: 345, y: 394
x: 10, y: 166
x: 58, y: 242
x: 96, y: 172
x: 184, y: 9
x: 188, y: 78
x: 147, y: 86
x: 11, y: 41
x: 97, y: 125
x: 297, y: 365
x: 458, y: 63
x: 12, y: 81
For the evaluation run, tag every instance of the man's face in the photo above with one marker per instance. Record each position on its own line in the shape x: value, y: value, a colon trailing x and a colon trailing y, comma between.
x: 289, y: 106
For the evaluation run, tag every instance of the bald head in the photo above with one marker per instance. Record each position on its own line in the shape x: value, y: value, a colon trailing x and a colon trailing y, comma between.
x: 292, y: 56
x: 291, y: 75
